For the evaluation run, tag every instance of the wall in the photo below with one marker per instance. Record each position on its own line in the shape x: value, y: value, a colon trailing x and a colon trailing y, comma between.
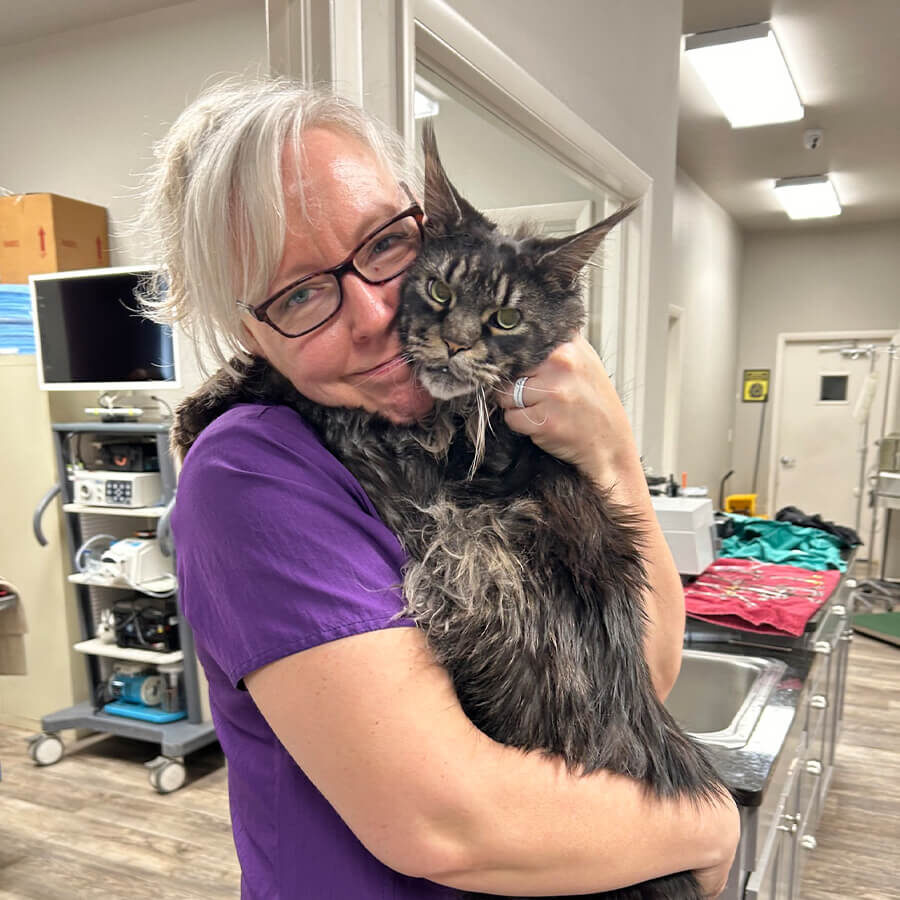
x: 815, y: 279
x: 706, y: 278
x: 89, y: 103
x: 82, y: 109
x: 616, y: 65
x: 56, y: 676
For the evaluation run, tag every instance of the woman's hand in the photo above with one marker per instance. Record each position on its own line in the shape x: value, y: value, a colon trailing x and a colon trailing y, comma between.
x: 573, y: 412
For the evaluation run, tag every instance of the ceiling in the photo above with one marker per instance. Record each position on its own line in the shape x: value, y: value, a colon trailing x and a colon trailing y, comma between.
x: 24, y: 21
x: 844, y: 60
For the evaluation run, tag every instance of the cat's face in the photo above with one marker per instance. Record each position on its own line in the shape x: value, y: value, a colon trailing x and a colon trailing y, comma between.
x: 480, y: 307
x: 477, y: 311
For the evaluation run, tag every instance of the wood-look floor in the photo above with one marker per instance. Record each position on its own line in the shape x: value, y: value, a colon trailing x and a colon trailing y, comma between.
x: 858, y: 837
x: 92, y: 827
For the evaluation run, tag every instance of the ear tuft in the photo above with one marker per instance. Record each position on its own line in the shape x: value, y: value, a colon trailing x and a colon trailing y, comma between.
x: 567, y: 256
x: 446, y: 208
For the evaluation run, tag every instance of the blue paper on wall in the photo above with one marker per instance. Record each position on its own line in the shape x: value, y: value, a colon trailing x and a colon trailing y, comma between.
x: 16, y: 326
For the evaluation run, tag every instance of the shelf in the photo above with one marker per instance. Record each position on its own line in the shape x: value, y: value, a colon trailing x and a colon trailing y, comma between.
x: 175, y: 738
x: 96, y: 647
x: 142, y: 512
x: 156, y: 585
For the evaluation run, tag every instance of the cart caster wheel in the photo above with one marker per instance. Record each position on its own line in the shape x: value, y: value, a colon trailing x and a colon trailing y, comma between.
x: 166, y: 775
x: 45, y: 749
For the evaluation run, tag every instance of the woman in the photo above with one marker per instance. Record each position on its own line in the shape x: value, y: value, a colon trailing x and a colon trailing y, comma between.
x: 353, y: 772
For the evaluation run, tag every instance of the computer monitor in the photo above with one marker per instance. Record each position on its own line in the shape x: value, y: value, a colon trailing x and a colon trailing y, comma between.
x: 90, y: 334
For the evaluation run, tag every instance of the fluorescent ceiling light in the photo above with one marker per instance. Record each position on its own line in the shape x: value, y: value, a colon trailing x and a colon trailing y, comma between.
x: 808, y: 198
x: 744, y: 70
x: 424, y: 106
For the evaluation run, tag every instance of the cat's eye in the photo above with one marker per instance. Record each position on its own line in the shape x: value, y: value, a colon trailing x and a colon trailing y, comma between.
x: 439, y: 291
x: 507, y: 317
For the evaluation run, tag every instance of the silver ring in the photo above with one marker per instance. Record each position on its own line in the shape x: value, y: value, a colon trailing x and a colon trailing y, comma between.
x: 518, y: 389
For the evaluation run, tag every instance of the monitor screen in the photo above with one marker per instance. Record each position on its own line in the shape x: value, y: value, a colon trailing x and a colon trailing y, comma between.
x: 91, y: 335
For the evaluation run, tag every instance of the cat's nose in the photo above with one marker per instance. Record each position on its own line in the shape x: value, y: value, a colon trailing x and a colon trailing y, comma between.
x: 453, y: 348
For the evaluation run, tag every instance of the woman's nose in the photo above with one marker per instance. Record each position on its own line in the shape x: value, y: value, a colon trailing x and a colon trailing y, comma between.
x: 369, y: 308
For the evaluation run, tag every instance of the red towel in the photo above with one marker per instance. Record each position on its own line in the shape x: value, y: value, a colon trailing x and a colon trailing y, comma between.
x: 759, y: 597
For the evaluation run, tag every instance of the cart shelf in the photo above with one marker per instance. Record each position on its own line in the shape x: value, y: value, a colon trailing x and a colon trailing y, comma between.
x: 96, y: 647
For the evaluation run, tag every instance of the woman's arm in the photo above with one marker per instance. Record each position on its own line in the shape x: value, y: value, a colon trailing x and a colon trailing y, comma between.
x: 375, y: 723
x: 574, y: 413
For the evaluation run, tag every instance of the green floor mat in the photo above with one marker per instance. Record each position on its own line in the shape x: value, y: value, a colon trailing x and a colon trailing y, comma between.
x: 881, y: 626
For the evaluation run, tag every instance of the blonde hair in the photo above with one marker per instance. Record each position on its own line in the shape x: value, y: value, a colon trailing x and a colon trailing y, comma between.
x: 213, y: 207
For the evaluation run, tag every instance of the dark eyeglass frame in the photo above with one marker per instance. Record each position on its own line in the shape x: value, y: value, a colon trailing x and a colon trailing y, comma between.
x: 260, y: 311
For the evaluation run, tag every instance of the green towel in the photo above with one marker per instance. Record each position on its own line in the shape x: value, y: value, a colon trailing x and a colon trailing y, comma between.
x: 780, y: 542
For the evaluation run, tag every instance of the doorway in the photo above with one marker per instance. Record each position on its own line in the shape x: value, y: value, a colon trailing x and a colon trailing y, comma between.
x: 822, y: 383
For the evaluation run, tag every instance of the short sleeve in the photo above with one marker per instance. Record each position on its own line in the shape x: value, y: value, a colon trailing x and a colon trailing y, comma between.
x: 278, y: 547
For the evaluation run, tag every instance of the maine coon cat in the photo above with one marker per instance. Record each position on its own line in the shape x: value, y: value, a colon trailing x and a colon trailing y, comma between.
x: 525, y: 577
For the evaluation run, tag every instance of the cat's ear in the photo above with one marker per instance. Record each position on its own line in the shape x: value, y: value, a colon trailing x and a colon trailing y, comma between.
x: 567, y: 256
x: 446, y: 209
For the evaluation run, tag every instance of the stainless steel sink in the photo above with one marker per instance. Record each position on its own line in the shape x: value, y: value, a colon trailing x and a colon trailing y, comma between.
x: 718, y: 697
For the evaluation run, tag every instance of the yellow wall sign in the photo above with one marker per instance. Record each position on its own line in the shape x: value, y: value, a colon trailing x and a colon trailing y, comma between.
x: 756, y: 385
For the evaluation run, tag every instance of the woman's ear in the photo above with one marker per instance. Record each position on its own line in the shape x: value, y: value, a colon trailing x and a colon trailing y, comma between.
x: 251, y: 343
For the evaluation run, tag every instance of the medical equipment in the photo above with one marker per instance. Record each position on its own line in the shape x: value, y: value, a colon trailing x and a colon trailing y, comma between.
x: 687, y: 525
x: 123, y: 489
x: 134, y: 561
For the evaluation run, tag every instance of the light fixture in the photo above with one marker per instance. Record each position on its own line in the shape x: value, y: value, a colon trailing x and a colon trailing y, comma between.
x: 808, y: 198
x: 744, y: 70
x: 424, y: 106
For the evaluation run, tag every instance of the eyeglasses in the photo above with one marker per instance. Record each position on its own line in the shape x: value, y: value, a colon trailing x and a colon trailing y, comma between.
x: 308, y: 303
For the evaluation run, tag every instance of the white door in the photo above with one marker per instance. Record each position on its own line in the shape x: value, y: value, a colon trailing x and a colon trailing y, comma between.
x: 816, y: 459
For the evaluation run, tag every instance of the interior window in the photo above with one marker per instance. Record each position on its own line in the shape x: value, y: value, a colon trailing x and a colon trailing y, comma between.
x: 833, y: 388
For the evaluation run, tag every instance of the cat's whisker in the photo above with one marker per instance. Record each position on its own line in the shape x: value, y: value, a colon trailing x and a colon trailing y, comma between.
x: 542, y: 422
x: 396, y: 364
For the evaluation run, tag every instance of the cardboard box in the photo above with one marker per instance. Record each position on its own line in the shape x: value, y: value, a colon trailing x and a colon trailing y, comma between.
x: 48, y: 233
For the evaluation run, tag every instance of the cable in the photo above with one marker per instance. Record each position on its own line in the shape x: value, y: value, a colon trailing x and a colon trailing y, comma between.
x: 159, y: 595
x: 83, y: 566
x: 162, y: 402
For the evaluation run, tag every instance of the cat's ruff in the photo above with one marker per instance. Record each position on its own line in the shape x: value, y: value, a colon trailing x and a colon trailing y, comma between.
x: 519, y: 392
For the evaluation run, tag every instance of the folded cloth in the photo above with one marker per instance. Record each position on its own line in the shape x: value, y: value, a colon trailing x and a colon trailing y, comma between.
x: 847, y: 536
x: 783, y: 543
x: 753, y: 596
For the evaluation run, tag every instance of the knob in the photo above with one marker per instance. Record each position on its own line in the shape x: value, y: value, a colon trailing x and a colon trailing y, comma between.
x: 788, y: 461
x: 814, y: 767
x: 822, y: 647
x: 808, y: 842
x: 791, y: 829
x: 819, y: 701
x: 847, y: 635
x: 839, y: 609
x: 851, y: 583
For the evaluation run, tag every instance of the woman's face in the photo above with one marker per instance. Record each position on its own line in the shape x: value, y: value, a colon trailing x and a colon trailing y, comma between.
x: 352, y: 360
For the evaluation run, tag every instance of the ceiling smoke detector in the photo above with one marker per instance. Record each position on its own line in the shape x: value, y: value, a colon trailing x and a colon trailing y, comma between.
x: 812, y: 138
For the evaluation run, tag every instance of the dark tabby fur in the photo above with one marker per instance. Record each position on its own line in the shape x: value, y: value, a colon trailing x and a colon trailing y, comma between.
x: 526, y: 578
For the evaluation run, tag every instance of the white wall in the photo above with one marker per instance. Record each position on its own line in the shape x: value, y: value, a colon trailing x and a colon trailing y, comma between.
x: 83, y: 107
x: 815, y: 279
x: 616, y: 65
x: 706, y: 276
